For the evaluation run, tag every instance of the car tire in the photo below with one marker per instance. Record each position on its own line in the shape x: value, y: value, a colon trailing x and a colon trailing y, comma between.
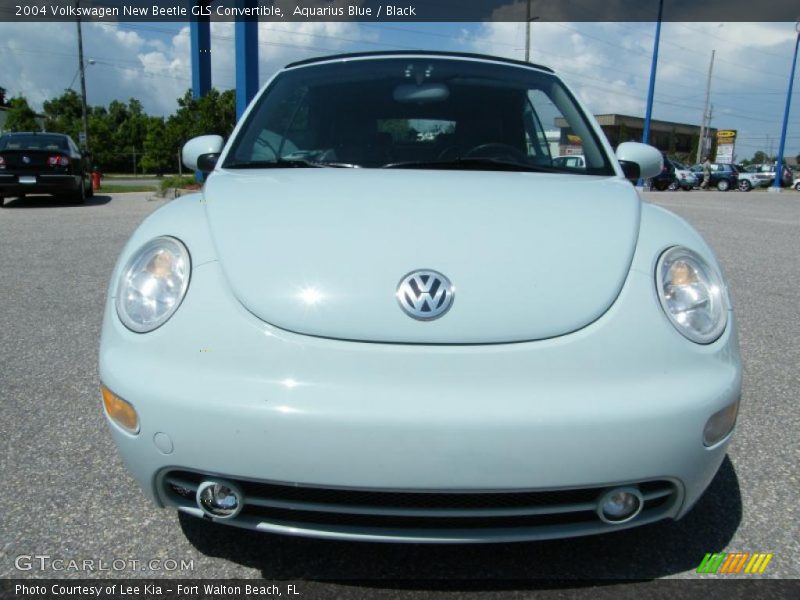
x: 797, y: 186
x: 79, y: 197
x: 2, y: 201
x: 745, y: 186
x: 723, y: 185
x: 90, y: 190
x: 661, y: 186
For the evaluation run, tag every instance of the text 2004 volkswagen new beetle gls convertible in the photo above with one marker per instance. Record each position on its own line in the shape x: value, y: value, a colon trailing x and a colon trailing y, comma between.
x: 388, y: 316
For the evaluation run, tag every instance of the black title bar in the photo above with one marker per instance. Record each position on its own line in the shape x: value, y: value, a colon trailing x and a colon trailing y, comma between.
x: 399, y: 10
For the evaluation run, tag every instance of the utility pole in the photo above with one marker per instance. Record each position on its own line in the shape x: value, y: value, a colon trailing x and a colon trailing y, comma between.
x: 528, y: 32
x: 83, y: 86
x: 528, y: 20
x: 707, y: 142
x: 651, y: 89
x: 702, y: 142
x: 776, y: 185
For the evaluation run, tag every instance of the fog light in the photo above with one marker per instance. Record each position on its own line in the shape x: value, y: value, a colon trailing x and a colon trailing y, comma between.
x: 620, y: 505
x: 219, y: 499
x: 720, y: 424
x: 121, y: 412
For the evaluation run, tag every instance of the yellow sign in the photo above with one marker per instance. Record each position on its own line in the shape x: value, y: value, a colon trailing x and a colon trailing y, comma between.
x: 726, y: 134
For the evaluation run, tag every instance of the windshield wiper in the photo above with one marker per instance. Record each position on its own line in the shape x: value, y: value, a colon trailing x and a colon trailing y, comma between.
x: 470, y: 162
x: 290, y: 163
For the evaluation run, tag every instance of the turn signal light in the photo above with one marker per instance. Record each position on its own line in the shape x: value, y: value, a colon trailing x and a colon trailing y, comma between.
x: 120, y: 411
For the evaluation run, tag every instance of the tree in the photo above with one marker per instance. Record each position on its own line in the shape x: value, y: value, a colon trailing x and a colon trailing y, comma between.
x: 20, y: 116
x: 63, y: 114
x: 3, y: 96
x: 759, y: 157
x: 160, y: 151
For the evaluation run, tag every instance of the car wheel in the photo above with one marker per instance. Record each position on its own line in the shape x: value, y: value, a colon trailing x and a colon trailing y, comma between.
x: 673, y: 186
x: 661, y: 185
x: 723, y: 185
x: 79, y: 197
x: 797, y: 186
x: 2, y: 201
x: 90, y: 190
x: 744, y: 186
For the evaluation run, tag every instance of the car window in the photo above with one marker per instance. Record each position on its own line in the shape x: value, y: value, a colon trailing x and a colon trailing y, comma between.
x: 373, y: 113
x: 34, y: 142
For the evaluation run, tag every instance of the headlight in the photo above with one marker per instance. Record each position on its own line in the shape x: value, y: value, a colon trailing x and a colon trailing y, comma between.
x: 691, y: 294
x: 153, y: 284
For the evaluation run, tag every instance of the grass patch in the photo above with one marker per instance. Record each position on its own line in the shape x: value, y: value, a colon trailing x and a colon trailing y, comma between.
x: 121, y: 189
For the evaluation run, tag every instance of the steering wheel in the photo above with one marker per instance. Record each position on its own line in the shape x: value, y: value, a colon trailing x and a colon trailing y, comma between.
x: 449, y: 153
x: 497, y: 150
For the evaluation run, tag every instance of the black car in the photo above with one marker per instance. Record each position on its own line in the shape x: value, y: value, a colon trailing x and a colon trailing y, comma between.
x: 666, y: 178
x: 723, y: 176
x: 43, y: 163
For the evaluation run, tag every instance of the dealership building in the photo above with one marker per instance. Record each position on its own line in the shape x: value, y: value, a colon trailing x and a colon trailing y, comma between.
x: 673, y: 138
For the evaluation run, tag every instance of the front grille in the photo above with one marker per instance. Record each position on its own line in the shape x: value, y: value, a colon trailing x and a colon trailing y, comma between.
x: 343, y: 510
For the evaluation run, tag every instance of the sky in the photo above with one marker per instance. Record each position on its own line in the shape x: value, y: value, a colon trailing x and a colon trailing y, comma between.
x: 607, y: 64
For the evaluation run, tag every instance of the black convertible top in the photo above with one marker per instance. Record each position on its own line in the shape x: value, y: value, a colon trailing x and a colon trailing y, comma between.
x: 311, y: 61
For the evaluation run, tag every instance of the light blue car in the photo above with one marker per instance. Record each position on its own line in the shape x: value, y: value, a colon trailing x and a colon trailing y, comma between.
x: 389, y: 316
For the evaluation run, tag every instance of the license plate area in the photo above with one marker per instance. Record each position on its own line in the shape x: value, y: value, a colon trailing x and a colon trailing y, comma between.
x: 27, y: 179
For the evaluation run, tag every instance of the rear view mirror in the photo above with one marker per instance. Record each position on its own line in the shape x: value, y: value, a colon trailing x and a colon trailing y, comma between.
x: 423, y: 93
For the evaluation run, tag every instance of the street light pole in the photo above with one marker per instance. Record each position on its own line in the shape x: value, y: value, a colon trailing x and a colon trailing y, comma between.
x: 652, y: 87
x: 81, y: 66
x: 776, y: 185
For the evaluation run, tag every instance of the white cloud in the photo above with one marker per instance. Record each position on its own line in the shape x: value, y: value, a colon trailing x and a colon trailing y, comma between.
x: 608, y: 64
x: 150, y: 61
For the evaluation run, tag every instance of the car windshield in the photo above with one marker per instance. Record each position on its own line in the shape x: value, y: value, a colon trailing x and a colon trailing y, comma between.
x: 418, y: 113
x: 33, y: 142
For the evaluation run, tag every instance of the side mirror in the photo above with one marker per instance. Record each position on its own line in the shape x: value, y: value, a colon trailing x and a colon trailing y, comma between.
x: 648, y: 159
x: 630, y: 170
x: 201, y: 153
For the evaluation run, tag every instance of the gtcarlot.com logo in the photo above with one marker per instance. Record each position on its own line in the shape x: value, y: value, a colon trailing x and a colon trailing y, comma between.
x: 45, y: 562
x: 735, y: 563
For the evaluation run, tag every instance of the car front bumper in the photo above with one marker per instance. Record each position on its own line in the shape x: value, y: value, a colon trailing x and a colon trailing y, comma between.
x: 219, y: 392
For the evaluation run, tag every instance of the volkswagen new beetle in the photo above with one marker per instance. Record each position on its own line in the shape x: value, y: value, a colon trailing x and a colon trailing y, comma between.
x: 390, y: 315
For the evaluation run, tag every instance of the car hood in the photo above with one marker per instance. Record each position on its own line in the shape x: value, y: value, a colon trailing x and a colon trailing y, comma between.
x: 322, y: 251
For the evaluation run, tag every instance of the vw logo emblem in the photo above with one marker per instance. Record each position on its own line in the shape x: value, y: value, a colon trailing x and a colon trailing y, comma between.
x: 26, y: 160
x: 425, y: 295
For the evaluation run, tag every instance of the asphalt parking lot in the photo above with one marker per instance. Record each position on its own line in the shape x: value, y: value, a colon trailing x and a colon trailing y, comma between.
x: 67, y: 494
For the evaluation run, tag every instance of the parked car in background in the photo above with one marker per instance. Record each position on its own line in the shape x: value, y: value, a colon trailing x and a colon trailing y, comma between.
x: 665, y: 179
x: 673, y: 176
x: 684, y: 178
x: 750, y: 179
x: 766, y: 172
x: 723, y: 176
x: 43, y: 163
x: 355, y: 333
x: 796, y: 183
